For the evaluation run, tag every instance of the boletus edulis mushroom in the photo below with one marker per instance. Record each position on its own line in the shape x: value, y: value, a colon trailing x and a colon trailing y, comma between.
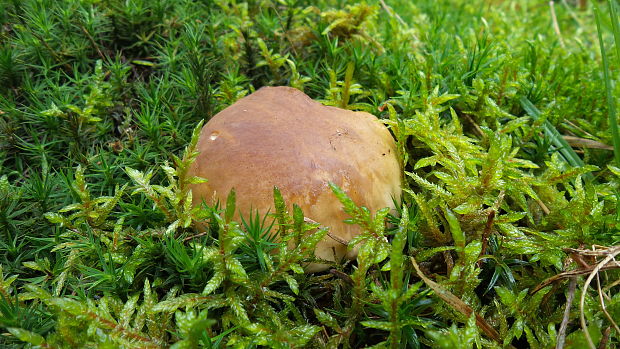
x: 278, y: 136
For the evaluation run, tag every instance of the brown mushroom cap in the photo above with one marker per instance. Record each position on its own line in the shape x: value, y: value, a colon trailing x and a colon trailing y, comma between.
x: 278, y: 136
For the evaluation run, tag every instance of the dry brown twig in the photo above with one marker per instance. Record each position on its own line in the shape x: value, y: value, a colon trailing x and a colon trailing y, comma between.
x: 457, y: 304
x: 581, y: 257
x: 391, y: 12
x: 610, y: 254
x: 329, y: 233
x: 586, y: 143
x: 603, y: 343
x: 584, y: 269
x: 601, y: 296
x: 556, y: 26
x: 572, y: 286
x: 567, y: 275
x: 610, y: 286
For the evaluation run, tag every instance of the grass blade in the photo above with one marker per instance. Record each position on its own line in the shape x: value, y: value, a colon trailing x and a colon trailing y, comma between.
x: 611, y: 102
x: 556, y: 138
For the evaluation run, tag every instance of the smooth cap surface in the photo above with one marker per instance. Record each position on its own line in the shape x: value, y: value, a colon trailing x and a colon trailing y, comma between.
x: 278, y: 136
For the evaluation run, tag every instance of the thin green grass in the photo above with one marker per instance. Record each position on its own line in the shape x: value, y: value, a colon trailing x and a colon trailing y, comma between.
x: 609, y: 89
x: 553, y: 135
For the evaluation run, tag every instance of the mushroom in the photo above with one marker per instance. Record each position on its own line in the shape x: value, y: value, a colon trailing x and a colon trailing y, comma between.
x: 278, y: 136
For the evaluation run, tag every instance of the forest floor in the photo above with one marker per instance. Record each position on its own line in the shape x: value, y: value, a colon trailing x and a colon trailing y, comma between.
x: 505, y: 236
